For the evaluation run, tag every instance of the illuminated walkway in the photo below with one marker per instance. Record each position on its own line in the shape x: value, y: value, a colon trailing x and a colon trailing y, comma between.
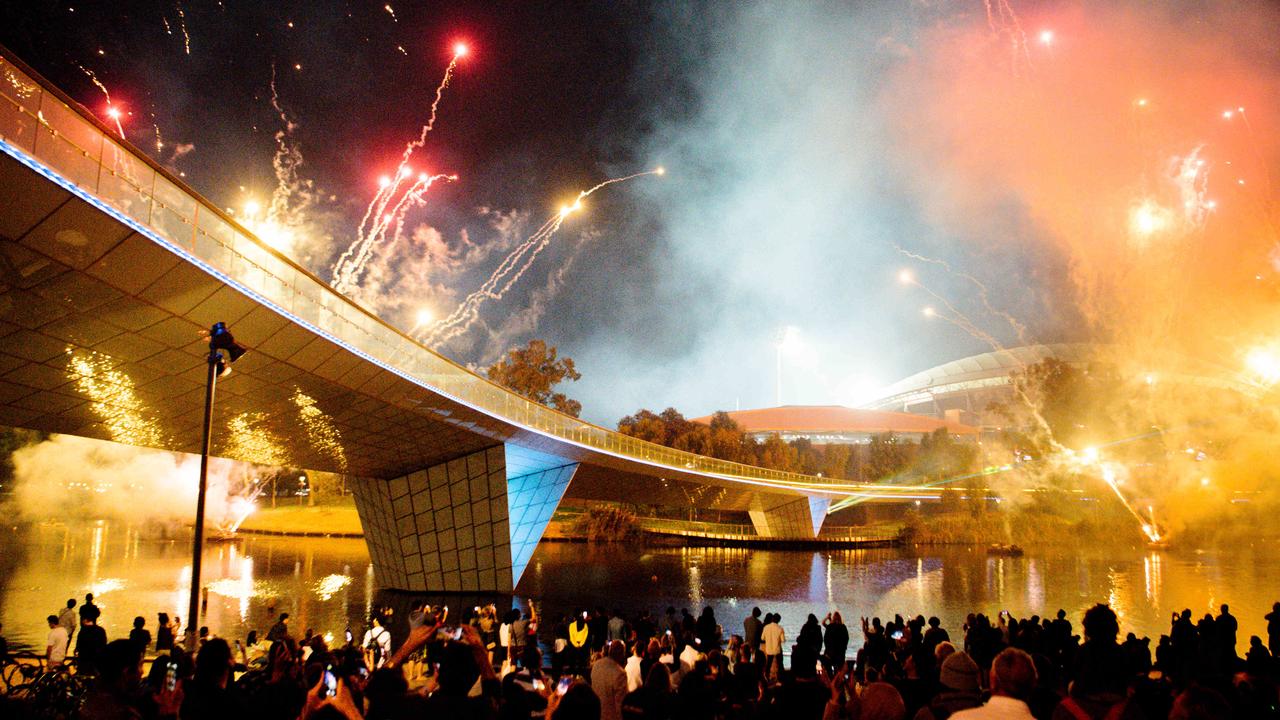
x: 111, y: 268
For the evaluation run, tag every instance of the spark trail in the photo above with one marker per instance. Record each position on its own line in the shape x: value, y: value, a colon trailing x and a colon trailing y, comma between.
x: 983, y: 291
x: 1106, y: 471
x: 182, y: 25
x: 392, y: 194
x: 1004, y: 21
x: 282, y: 211
x: 113, y: 112
x: 512, y: 268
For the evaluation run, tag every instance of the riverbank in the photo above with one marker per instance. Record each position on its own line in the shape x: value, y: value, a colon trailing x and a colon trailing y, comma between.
x: 1018, y: 528
x: 340, y: 520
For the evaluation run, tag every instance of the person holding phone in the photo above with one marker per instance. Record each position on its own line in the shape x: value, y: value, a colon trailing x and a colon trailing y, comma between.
x: 330, y: 691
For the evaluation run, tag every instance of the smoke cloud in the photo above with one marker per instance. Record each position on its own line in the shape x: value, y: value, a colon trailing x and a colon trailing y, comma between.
x: 1088, y: 165
x: 74, y: 478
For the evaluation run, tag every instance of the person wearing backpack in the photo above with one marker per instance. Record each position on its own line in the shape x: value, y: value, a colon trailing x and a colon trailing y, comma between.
x: 376, y: 644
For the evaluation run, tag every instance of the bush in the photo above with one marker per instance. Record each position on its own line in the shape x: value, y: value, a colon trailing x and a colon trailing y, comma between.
x: 608, y: 524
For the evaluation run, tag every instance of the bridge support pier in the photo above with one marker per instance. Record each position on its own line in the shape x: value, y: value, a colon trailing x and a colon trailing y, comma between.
x: 784, y: 516
x: 466, y: 525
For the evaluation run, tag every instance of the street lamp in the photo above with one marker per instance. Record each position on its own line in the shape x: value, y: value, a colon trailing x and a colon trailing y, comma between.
x: 220, y: 340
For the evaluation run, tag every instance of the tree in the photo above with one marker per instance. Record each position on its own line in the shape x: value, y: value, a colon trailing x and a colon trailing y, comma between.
x: 778, y: 455
x: 887, y: 455
x: 533, y: 371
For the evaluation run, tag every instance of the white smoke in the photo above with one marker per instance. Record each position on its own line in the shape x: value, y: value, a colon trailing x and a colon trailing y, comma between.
x: 74, y: 478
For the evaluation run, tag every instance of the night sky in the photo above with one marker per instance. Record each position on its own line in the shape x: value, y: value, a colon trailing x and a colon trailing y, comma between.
x: 795, y: 169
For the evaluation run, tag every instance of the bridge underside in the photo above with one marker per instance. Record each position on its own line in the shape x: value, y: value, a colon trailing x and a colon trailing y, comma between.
x: 100, y: 336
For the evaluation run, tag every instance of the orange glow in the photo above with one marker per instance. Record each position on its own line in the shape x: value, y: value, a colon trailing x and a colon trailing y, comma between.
x: 1147, y: 219
x: 460, y: 50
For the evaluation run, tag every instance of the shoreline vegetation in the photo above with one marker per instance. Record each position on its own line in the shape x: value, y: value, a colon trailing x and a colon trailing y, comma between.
x: 1026, y: 528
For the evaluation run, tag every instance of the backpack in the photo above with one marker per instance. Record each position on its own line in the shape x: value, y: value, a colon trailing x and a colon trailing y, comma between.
x: 374, y: 646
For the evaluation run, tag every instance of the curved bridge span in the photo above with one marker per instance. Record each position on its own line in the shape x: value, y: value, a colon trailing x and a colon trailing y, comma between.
x: 111, y: 268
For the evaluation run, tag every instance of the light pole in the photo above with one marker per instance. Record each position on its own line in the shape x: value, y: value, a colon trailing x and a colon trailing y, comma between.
x: 219, y: 340
x: 788, y: 340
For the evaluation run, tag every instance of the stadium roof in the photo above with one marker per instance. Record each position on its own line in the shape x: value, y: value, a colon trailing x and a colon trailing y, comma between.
x: 837, y: 419
x: 989, y: 369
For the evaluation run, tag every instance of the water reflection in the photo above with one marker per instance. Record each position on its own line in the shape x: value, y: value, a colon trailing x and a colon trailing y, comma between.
x: 329, y: 584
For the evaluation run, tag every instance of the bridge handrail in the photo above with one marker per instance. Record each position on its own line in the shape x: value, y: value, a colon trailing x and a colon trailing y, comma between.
x: 46, y: 126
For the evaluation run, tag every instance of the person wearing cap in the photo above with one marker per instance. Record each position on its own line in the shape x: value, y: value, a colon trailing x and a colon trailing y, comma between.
x: 1013, y: 679
x: 958, y: 677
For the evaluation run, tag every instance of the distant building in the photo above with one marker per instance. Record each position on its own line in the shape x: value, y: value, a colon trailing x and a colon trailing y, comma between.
x: 963, y: 390
x: 839, y: 425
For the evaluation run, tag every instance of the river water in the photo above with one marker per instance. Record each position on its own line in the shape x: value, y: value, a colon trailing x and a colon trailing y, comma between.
x: 329, y: 584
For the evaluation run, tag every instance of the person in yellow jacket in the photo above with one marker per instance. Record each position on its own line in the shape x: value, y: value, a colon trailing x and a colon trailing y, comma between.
x: 579, y: 645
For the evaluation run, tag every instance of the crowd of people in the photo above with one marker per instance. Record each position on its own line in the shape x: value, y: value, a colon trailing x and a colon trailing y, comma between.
x: 611, y: 665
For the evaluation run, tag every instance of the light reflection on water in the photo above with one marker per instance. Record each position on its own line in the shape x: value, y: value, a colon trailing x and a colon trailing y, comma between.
x: 328, y: 583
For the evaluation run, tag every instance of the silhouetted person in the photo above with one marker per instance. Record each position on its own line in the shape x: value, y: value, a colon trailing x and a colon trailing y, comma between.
x: 836, y: 640
x: 210, y: 694
x: 92, y: 639
x: 810, y: 636
x: 751, y: 628
x: 653, y: 700
x: 280, y: 630
x: 89, y: 611
x: 1273, y: 629
x: 139, y: 635
x: 164, y: 633
x: 119, y: 673
x: 1258, y: 660
x: 935, y: 634
x: 1100, y: 677
x: 1225, y: 626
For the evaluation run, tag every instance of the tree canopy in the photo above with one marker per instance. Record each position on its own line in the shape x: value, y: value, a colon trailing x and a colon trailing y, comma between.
x: 534, y: 371
x: 886, y: 456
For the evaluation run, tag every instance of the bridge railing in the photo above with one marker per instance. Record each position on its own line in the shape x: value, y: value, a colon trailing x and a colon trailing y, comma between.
x: 71, y: 147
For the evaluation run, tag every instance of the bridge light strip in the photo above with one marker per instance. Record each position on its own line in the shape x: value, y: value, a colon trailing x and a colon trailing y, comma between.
x: 849, y: 491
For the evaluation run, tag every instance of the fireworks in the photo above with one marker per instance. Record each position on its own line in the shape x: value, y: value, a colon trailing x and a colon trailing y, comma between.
x: 1264, y: 365
x: 1147, y: 219
x: 114, y: 113
x: 512, y: 268
x: 907, y: 277
x: 387, y: 209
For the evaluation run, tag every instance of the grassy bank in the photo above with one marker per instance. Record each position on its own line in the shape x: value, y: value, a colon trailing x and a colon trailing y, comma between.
x: 336, y: 519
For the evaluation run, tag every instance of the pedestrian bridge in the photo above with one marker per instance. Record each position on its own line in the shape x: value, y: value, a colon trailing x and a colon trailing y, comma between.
x: 111, y: 269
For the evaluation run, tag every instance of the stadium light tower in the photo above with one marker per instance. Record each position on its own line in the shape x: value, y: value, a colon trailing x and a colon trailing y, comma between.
x: 788, y: 341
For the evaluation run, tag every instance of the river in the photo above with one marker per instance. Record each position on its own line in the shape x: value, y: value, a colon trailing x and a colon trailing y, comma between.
x: 329, y: 584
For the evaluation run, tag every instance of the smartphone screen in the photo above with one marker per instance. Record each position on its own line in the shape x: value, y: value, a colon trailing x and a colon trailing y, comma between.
x: 563, y: 686
x: 348, y: 636
x: 457, y: 633
x: 171, y: 676
x: 330, y: 682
